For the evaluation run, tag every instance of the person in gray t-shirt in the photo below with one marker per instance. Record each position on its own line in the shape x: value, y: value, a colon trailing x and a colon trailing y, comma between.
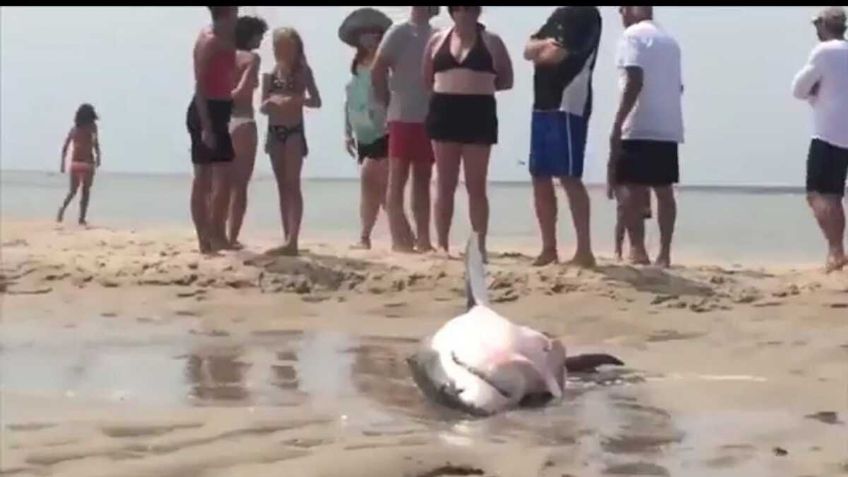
x: 399, y: 83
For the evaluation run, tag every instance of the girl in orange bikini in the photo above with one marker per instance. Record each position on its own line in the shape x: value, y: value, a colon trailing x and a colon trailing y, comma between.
x: 85, y: 158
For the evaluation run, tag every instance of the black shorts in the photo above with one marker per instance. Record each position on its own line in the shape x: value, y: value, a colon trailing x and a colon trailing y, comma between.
x: 463, y: 118
x: 220, y: 112
x: 650, y: 163
x: 827, y: 168
x: 378, y: 149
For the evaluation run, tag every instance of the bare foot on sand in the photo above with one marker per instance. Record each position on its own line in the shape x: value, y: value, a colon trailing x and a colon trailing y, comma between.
x: 287, y: 250
x: 206, y: 250
x: 60, y: 215
x: 835, y: 262
x: 546, y: 258
x: 639, y: 257
x: 82, y: 223
x: 663, y: 261
x: 443, y: 254
x: 403, y: 249
x: 364, y: 244
x: 582, y: 261
x: 216, y: 244
x: 424, y: 247
x: 235, y: 246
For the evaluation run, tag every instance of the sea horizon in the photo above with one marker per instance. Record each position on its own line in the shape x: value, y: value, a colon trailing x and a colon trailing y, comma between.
x: 751, y: 188
x: 716, y: 224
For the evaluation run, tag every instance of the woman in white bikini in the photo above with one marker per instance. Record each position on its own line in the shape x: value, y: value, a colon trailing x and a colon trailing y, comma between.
x: 249, y: 33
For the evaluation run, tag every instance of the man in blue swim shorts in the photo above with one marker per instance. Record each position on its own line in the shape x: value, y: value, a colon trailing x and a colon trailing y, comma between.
x: 563, y: 53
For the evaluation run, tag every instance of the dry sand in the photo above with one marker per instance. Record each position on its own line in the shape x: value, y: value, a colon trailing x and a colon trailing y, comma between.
x: 126, y: 354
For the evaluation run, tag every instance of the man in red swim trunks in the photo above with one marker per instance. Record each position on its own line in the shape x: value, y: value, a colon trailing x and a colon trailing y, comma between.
x: 407, y: 99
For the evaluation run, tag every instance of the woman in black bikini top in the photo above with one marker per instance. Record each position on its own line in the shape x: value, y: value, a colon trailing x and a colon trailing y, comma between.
x: 462, y: 119
x: 478, y: 58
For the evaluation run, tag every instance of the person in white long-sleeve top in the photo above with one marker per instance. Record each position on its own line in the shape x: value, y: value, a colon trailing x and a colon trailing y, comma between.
x: 823, y: 82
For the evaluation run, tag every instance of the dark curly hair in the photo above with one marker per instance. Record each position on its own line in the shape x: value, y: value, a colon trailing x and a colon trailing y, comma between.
x: 453, y: 8
x: 247, y: 28
x: 217, y: 11
x: 85, y: 115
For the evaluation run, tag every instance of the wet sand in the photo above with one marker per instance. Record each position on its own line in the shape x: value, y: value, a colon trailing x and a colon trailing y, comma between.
x: 124, y: 353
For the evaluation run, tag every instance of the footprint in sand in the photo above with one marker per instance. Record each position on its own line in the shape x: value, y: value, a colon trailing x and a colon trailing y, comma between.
x: 731, y: 455
x: 636, y: 468
x: 145, y: 430
x: 33, y: 426
x: 827, y: 417
x: 451, y: 470
x: 671, y: 335
x: 314, y: 298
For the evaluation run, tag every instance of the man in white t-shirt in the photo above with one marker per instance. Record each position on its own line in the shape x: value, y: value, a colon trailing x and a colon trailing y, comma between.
x: 824, y: 83
x: 647, y: 130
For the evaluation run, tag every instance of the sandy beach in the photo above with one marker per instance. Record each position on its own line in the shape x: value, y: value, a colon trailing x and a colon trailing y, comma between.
x: 124, y: 353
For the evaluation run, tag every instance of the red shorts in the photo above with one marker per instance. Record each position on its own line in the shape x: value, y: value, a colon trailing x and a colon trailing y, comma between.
x: 410, y: 142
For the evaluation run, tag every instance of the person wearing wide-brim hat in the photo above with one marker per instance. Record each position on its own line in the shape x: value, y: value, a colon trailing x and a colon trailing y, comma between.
x: 362, y: 19
x: 366, y: 136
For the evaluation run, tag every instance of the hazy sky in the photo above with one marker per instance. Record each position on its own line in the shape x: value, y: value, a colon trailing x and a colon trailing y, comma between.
x: 134, y: 64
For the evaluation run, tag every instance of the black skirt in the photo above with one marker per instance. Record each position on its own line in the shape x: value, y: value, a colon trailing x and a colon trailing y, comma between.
x: 463, y: 118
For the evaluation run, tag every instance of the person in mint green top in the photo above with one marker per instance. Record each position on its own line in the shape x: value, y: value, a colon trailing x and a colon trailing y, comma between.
x: 366, y: 136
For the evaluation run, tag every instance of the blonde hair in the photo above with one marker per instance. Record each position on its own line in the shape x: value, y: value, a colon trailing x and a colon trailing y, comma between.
x: 288, y: 33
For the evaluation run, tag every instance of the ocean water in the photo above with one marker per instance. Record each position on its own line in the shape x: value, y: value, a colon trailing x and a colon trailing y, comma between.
x: 751, y: 226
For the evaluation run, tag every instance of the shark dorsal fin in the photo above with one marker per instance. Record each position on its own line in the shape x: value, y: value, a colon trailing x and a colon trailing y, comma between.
x: 475, y: 274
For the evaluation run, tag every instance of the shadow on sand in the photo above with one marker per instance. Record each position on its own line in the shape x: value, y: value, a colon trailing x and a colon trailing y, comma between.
x: 655, y: 280
x: 326, y: 272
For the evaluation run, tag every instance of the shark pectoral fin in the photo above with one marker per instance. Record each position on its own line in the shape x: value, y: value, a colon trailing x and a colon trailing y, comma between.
x: 508, y: 372
x: 545, y: 375
x: 552, y: 384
